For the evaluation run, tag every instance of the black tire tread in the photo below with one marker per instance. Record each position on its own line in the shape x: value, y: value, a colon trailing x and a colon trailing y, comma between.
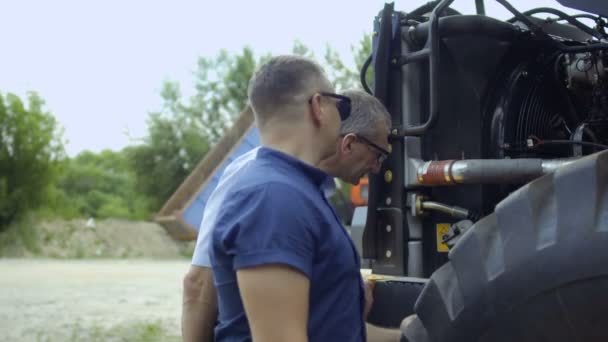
x: 548, y: 234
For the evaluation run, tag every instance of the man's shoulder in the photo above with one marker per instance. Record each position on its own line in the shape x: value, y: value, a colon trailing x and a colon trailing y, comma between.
x: 258, y: 172
x: 239, y: 163
x: 246, y: 157
x: 263, y: 183
x: 266, y: 189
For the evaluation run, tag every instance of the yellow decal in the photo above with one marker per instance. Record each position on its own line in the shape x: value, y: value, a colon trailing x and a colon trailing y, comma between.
x: 442, y: 229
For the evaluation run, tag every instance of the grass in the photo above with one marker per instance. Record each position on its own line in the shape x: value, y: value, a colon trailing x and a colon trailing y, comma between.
x: 154, y: 331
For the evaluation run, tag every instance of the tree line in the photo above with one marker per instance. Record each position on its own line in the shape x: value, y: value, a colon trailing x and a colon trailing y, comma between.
x: 133, y: 183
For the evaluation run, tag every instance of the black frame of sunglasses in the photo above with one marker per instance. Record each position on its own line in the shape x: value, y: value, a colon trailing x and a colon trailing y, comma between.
x: 343, y: 106
x: 384, y: 153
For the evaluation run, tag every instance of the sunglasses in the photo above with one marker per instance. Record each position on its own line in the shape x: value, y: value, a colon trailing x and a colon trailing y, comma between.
x: 343, y: 104
x: 382, y: 155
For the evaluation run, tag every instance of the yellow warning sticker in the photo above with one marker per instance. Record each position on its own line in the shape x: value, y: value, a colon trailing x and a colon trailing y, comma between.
x: 442, y: 229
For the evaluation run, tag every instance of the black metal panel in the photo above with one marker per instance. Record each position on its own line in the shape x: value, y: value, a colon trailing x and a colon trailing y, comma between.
x: 391, y: 242
x: 382, y: 42
x: 394, y: 300
x: 388, y: 247
x: 469, y: 65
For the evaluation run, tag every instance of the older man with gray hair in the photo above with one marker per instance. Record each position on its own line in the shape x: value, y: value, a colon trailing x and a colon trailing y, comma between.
x: 361, y: 149
x: 363, y: 145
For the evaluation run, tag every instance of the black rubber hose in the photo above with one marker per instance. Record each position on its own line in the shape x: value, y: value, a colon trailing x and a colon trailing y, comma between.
x: 518, y: 15
x: 480, y: 7
x: 415, y: 14
x: 587, y: 16
x: 364, y: 68
x: 563, y: 16
x: 573, y: 114
x: 535, y: 28
x: 584, y: 48
x: 571, y: 142
x: 428, y: 8
x: 383, y: 47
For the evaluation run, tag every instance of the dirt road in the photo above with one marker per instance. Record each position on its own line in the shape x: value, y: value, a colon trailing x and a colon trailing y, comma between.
x: 53, y: 300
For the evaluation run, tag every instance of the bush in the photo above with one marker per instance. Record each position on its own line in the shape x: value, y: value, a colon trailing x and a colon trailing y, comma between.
x: 31, y: 149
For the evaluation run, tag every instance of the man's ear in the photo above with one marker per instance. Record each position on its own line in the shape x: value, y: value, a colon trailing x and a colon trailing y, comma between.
x: 316, y: 110
x: 347, y: 143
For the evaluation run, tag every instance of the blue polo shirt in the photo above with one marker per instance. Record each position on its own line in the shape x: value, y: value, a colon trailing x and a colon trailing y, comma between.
x: 276, y: 213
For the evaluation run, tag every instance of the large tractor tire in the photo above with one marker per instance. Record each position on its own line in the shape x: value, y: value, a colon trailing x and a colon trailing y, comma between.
x: 534, y: 270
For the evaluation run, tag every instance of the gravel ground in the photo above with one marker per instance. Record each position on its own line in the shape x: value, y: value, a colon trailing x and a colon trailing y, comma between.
x: 60, y: 300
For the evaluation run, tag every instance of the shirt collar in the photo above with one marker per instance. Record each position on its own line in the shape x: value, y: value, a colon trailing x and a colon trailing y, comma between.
x: 318, y: 177
x: 328, y: 186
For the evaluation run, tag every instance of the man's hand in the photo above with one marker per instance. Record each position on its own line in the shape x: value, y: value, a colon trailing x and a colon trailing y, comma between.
x: 199, y: 307
x: 369, y: 296
x: 407, y: 321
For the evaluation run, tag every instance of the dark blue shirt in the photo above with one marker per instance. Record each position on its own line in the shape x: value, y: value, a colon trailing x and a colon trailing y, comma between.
x: 277, y: 214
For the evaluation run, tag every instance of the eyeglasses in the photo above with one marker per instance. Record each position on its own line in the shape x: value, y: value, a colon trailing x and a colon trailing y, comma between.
x: 343, y: 104
x: 382, y: 155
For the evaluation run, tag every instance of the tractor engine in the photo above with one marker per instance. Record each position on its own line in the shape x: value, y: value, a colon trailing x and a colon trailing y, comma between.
x: 480, y: 107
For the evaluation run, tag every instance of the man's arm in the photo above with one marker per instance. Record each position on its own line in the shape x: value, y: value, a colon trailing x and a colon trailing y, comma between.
x: 199, y: 306
x: 378, y: 334
x: 275, y: 298
x: 374, y: 333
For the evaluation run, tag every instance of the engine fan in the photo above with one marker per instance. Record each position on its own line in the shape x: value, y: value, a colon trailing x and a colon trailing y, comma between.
x: 549, y: 107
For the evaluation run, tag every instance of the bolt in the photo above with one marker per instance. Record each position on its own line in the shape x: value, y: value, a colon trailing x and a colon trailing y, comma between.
x: 388, y: 176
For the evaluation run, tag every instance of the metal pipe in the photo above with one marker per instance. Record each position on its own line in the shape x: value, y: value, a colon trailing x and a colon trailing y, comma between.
x: 486, y: 171
x: 432, y: 44
x: 551, y: 165
x: 453, y: 211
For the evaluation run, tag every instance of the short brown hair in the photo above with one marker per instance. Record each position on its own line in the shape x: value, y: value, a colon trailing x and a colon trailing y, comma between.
x: 282, y: 82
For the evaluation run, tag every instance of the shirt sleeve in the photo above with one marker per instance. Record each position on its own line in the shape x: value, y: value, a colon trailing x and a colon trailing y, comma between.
x: 200, y: 257
x: 270, y: 224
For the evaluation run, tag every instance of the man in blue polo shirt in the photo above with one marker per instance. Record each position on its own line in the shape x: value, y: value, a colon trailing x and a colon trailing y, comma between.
x: 368, y: 120
x: 284, y: 268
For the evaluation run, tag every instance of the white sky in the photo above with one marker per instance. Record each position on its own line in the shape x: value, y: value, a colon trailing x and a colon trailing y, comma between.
x: 100, y: 64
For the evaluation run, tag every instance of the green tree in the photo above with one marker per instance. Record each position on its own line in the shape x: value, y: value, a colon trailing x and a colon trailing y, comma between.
x: 181, y: 133
x: 221, y: 90
x: 31, y: 148
x: 100, y: 185
x: 343, y: 76
x: 302, y: 50
x: 175, y: 142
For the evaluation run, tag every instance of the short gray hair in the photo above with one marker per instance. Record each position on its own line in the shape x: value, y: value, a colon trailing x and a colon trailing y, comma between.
x: 282, y: 82
x: 366, y: 113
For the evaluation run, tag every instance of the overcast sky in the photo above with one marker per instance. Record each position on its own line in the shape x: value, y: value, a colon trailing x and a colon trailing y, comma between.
x: 100, y: 64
